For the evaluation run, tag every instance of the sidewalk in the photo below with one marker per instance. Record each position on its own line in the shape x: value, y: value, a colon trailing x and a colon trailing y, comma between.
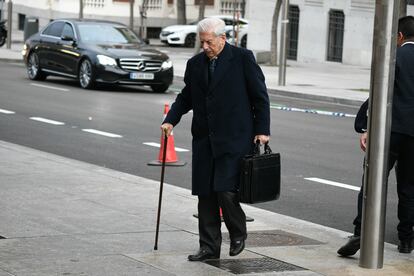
x: 330, y: 81
x: 65, y: 217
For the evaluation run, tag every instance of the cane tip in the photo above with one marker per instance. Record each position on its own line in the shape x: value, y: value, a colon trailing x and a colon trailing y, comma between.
x: 155, y: 247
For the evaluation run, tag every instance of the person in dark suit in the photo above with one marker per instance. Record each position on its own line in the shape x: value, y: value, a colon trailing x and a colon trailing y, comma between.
x: 401, y: 150
x: 226, y: 90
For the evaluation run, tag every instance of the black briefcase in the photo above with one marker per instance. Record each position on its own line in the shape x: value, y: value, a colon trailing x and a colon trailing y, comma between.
x: 260, y: 176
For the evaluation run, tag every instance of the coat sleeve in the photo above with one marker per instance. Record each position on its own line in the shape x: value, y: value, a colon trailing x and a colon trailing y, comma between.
x: 258, y: 96
x: 183, y: 102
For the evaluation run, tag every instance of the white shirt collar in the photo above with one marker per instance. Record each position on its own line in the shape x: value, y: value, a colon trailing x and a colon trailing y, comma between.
x: 408, y: 42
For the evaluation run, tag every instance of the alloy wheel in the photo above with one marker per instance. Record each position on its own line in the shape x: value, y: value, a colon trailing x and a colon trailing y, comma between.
x: 85, y: 74
x: 33, y: 66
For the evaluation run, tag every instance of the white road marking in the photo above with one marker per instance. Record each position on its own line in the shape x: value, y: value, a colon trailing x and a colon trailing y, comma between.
x: 332, y: 183
x: 49, y: 87
x: 48, y: 121
x: 157, y: 145
x: 7, y: 111
x: 103, y: 133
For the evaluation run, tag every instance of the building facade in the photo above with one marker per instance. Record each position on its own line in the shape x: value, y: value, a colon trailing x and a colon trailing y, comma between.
x: 320, y: 30
x: 159, y: 13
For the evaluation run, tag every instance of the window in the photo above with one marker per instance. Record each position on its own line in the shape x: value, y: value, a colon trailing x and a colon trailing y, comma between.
x: 20, y: 21
x: 336, y: 35
x: 68, y: 31
x: 54, y: 29
x: 292, y: 51
x: 207, y: 2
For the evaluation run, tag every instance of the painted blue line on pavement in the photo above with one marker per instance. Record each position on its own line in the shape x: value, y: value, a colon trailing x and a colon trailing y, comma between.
x: 312, y: 111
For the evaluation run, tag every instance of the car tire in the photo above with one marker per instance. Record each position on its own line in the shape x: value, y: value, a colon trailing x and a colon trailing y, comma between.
x: 86, y: 74
x: 243, y: 42
x: 34, y: 72
x: 159, y: 88
x: 190, y: 40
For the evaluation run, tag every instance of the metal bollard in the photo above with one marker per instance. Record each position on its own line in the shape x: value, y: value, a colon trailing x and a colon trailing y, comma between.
x: 9, y: 23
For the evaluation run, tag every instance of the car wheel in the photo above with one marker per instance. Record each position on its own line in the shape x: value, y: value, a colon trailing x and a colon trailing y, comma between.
x: 86, y: 74
x: 33, y: 68
x: 243, y: 42
x: 190, y: 40
x: 159, y: 88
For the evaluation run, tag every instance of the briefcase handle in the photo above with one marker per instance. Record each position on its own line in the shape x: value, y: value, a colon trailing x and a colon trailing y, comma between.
x: 267, y: 149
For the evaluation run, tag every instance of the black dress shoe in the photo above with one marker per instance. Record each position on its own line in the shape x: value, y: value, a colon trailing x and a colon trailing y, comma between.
x: 351, y: 247
x: 203, y: 254
x: 236, y: 247
x: 405, y: 246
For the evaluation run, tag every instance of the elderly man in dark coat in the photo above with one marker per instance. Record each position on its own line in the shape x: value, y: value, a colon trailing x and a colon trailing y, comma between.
x: 226, y: 90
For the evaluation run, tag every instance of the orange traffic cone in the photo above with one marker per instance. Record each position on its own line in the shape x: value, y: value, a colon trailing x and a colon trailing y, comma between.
x: 171, y: 155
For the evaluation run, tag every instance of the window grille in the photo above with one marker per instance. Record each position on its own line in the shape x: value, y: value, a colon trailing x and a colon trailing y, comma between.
x: 227, y: 7
x: 294, y: 13
x: 336, y: 35
x: 154, y: 4
x: 94, y: 3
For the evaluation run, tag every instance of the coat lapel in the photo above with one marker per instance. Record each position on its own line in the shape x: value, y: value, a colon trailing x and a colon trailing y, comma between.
x: 202, y: 72
x: 224, y: 63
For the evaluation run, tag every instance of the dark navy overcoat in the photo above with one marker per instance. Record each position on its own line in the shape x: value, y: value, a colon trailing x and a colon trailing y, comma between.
x: 227, y: 114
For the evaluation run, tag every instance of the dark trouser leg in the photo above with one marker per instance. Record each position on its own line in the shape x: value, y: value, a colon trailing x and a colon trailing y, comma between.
x: 233, y: 215
x: 405, y: 188
x: 358, y: 218
x: 209, y: 223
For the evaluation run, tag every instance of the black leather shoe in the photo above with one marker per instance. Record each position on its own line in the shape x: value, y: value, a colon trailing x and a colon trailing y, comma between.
x: 351, y: 247
x: 405, y: 246
x: 203, y: 254
x: 236, y: 247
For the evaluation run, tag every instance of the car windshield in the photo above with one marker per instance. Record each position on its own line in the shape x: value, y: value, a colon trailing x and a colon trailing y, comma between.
x: 106, y: 33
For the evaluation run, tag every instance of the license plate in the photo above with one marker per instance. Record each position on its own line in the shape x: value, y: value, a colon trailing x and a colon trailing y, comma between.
x: 141, y: 76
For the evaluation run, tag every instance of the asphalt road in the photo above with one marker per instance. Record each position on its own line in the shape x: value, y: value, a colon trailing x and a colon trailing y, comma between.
x: 311, y: 145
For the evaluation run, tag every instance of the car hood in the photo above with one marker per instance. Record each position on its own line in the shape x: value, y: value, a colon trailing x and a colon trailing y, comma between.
x: 129, y: 51
x: 180, y: 28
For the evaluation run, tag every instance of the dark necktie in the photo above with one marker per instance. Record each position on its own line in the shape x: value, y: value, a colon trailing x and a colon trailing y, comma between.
x: 211, y: 68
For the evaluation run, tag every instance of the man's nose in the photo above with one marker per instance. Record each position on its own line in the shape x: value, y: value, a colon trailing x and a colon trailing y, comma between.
x: 204, y: 45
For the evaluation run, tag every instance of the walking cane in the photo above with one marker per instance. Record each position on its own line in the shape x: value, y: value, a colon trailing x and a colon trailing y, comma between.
x: 161, y: 186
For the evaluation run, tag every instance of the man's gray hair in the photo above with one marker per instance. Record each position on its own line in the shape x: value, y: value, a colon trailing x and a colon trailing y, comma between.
x: 211, y: 25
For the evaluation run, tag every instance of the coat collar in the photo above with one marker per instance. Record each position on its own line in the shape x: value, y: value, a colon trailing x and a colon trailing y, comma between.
x: 224, y: 59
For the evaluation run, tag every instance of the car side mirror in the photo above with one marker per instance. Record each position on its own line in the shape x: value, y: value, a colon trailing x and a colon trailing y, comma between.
x: 67, y: 38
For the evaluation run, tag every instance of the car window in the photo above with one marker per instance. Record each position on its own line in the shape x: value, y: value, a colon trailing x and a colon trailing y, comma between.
x: 54, y: 29
x: 228, y: 21
x: 68, y: 31
x: 106, y: 33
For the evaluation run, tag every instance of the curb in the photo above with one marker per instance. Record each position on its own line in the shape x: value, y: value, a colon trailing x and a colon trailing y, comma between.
x: 312, y: 97
x: 298, y: 95
x: 12, y: 60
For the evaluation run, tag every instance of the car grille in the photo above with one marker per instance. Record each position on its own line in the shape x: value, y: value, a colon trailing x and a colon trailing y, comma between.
x: 142, y: 65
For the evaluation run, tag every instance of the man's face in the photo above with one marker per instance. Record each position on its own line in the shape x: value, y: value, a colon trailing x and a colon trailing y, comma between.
x: 212, y: 44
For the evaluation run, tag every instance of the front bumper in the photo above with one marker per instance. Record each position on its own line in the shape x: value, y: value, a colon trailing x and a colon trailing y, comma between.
x: 116, y: 75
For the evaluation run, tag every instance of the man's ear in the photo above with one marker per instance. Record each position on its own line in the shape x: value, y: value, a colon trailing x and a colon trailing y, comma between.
x: 400, y: 38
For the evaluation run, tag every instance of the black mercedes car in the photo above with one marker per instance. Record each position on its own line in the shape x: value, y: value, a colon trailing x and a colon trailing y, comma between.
x: 95, y: 52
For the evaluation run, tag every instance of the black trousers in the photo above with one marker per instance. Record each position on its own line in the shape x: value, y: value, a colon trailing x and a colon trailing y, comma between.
x: 209, y: 221
x: 402, y: 154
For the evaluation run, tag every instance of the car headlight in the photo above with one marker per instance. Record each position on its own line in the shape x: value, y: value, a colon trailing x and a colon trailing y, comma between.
x: 24, y: 51
x: 166, y: 64
x: 105, y: 60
